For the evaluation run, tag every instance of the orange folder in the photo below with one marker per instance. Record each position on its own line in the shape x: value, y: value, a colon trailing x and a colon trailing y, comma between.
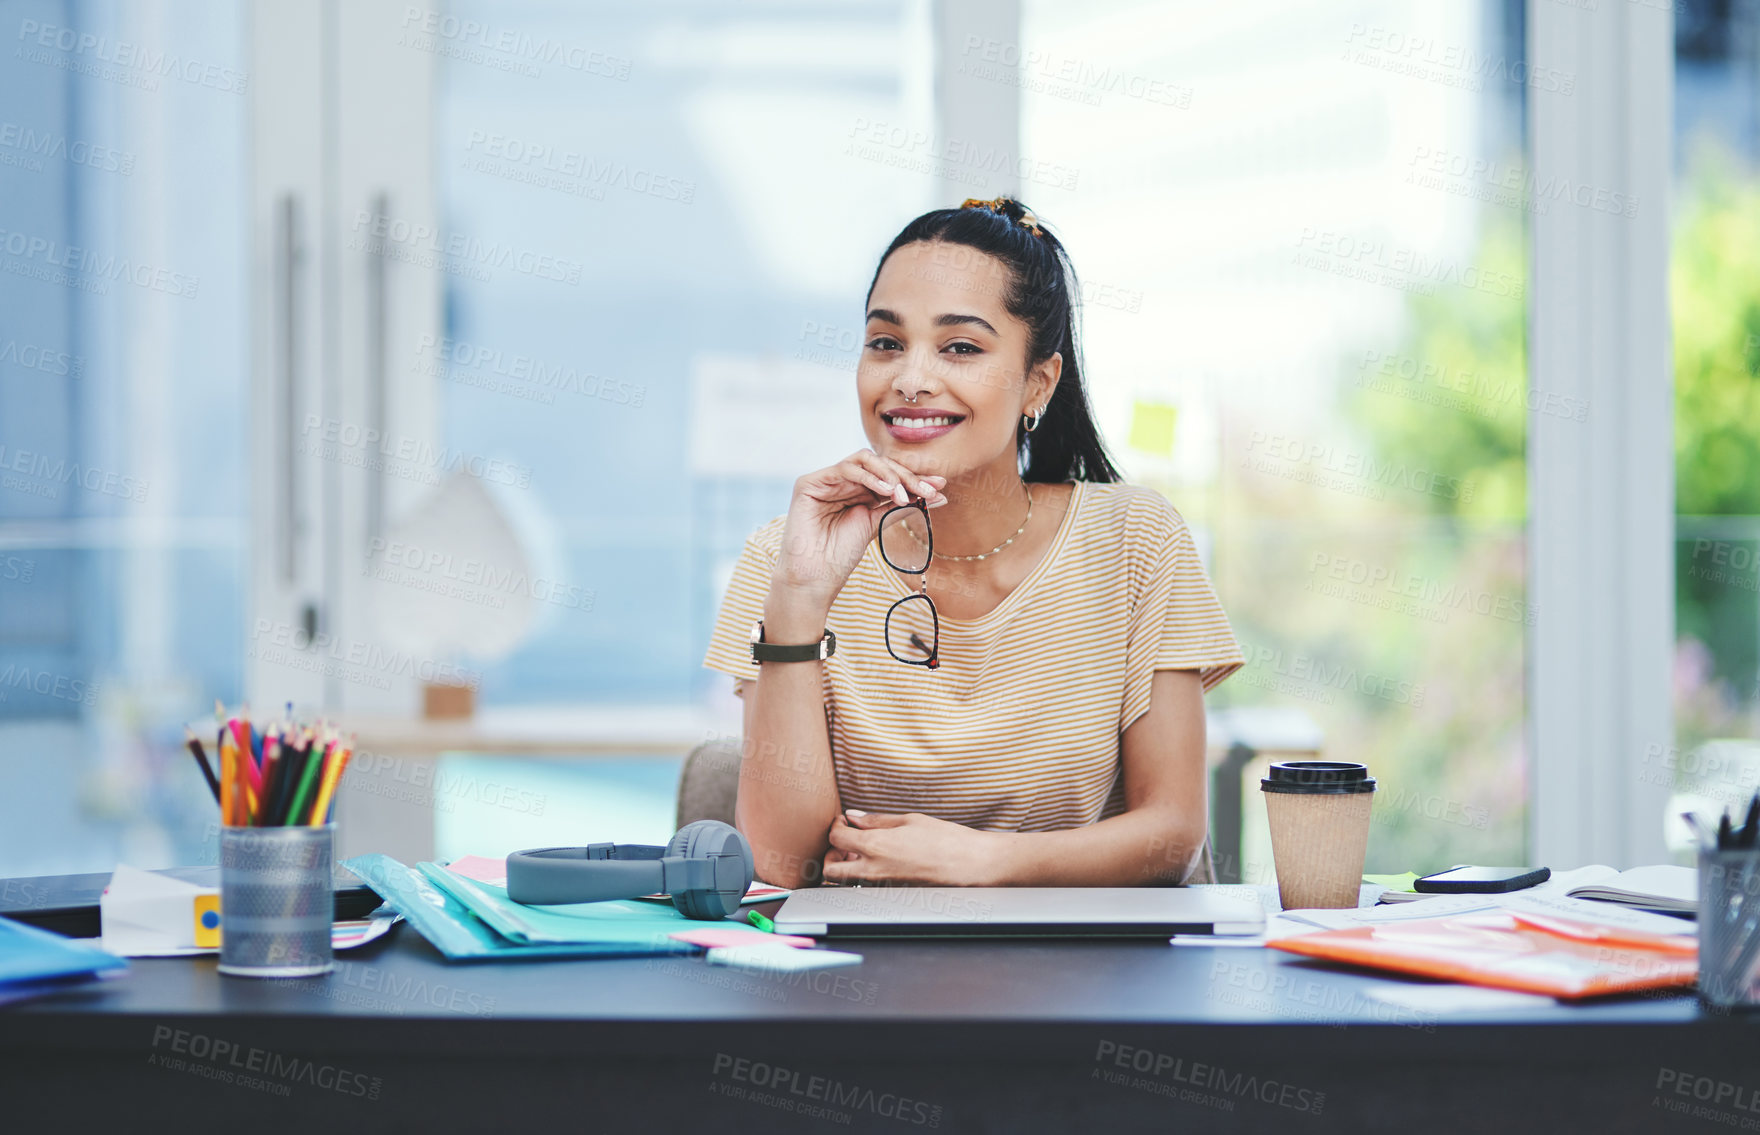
x: 1533, y: 953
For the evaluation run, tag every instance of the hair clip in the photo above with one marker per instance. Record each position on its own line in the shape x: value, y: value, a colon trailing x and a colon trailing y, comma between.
x: 1000, y: 205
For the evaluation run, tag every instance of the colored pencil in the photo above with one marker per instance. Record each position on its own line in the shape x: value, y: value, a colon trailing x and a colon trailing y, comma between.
x: 307, y: 780
x: 195, y: 748
x: 271, y: 773
x: 241, y: 733
x: 327, y: 790
x: 296, y: 767
x: 281, y: 774
x: 228, y: 789
x: 252, y: 801
x: 240, y: 786
x: 286, y: 776
x: 347, y: 756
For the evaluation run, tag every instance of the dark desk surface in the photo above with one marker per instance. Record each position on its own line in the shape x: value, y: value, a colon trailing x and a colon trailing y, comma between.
x: 1063, y: 1036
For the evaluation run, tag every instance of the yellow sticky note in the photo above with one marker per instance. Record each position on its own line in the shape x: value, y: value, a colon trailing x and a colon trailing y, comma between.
x: 208, y: 921
x: 1152, y: 425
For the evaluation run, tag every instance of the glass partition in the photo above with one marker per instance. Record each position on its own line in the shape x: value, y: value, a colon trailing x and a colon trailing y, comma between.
x: 705, y: 183
x: 123, y: 397
x: 1301, y: 230
x: 1715, y: 296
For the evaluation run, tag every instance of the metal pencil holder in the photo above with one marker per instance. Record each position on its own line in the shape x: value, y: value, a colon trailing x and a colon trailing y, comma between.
x: 276, y: 903
x: 1729, y: 928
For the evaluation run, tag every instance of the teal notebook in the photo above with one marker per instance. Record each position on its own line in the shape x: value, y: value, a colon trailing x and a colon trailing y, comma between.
x: 455, y: 928
x: 616, y: 920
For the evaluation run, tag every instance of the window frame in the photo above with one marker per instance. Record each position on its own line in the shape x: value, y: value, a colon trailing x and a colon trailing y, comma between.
x: 1601, y: 491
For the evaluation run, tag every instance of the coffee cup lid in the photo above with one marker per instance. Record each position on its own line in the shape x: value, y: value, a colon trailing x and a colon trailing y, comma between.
x: 1330, y: 778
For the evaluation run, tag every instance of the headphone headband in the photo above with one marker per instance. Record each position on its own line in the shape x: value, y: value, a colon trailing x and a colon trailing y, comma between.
x: 597, y: 851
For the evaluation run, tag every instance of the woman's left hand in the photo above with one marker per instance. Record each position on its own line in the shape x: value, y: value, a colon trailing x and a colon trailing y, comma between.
x: 876, y: 847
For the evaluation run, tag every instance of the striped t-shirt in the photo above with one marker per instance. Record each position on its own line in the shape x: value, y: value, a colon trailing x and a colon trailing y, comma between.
x: 1018, y: 730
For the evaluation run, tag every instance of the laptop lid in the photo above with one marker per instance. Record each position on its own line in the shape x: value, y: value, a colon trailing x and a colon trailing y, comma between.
x: 1016, y: 912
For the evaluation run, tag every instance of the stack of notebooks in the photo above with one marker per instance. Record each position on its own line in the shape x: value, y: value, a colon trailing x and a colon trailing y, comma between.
x: 1663, y: 889
x: 468, y: 917
x: 1550, y: 939
x: 1527, y: 951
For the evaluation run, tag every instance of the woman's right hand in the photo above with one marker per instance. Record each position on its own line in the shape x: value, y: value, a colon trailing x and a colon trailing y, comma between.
x: 833, y: 516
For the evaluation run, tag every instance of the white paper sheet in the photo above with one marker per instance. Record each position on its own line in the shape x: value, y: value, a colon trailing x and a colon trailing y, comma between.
x: 779, y: 958
x: 147, y: 915
x: 1436, y: 1000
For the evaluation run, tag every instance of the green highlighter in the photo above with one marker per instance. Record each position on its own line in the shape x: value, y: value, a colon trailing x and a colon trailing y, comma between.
x: 1399, y: 887
x: 760, y: 922
x: 1400, y: 882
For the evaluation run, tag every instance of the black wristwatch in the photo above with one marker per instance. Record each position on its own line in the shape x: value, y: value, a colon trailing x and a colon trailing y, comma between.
x: 773, y: 652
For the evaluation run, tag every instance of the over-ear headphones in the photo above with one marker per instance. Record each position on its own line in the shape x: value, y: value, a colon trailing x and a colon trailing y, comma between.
x: 707, y: 869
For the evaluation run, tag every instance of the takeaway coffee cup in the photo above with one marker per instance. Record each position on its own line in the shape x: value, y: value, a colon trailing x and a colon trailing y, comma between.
x: 1319, y: 813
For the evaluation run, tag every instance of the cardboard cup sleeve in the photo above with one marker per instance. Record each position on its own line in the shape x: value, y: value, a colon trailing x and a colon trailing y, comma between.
x: 1318, y: 844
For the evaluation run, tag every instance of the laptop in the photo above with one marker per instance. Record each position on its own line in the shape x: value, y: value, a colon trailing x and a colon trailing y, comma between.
x: 1017, y: 912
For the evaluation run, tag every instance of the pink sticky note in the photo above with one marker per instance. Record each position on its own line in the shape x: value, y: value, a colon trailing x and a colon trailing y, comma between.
x: 481, y: 868
x: 713, y: 936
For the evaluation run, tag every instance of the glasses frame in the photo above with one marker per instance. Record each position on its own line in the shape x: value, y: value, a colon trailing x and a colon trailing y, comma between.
x: 933, y: 662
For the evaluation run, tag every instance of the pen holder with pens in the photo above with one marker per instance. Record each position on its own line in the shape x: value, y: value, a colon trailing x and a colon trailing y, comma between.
x: 276, y: 901
x: 1729, y: 927
x: 276, y: 788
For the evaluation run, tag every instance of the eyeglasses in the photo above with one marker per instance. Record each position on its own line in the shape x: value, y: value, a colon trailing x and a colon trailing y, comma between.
x: 913, y: 629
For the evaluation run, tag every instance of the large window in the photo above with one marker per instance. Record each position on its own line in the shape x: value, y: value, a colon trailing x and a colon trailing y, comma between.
x: 708, y: 183
x: 701, y: 191
x: 123, y: 471
x: 1301, y: 228
x: 1715, y: 294
x: 624, y: 298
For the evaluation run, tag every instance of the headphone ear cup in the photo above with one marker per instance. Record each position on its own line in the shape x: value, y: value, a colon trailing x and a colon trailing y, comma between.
x: 680, y: 844
x: 702, y: 840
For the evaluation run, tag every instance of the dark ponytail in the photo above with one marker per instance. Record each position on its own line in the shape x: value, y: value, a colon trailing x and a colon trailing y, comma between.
x: 1041, y: 292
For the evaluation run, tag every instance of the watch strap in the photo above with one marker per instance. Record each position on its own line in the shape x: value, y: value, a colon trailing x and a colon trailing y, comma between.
x: 778, y: 652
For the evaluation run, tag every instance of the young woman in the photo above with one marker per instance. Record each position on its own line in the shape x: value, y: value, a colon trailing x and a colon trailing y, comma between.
x: 1044, y: 725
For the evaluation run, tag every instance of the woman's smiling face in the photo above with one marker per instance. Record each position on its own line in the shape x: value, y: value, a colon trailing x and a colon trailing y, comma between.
x: 937, y: 330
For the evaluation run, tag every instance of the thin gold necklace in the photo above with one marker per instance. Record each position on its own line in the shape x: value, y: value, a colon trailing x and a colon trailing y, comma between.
x: 997, y: 548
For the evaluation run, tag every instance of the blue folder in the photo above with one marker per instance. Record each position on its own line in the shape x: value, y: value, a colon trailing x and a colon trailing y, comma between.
x: 30, y: 957
x: 471, y: 921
